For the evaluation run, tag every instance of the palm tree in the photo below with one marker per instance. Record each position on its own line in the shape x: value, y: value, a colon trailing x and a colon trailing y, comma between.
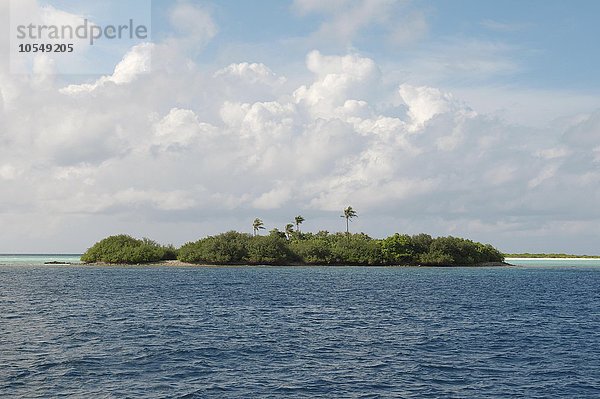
x: 349, y: 213
x: 298, y: 219
x: 258, y: 225
x: 289, y: 230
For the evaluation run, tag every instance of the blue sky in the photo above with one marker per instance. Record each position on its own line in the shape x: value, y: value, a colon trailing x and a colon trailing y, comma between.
x: 471, y: 118
x: 551, y: 42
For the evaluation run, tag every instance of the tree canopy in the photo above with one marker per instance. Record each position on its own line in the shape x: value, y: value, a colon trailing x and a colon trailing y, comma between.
x: 349, y: 214
x: 324, y: 248
x: 291, y: 247
x: 126, y: 249
x: 257, y: 225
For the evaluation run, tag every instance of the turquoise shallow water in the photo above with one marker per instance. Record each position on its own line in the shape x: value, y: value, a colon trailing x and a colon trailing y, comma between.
x: 541, y: 262
x: 352, y: 332
x: 37, y: 259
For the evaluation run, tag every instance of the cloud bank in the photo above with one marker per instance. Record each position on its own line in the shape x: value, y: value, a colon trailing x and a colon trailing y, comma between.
x: 167, y: 148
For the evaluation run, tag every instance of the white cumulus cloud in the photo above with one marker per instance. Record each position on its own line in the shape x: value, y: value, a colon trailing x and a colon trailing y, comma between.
x: 180, y: 149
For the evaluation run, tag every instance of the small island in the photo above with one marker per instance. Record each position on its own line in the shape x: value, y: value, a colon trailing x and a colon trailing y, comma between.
x: 319, y: 249
x: 293, y: 247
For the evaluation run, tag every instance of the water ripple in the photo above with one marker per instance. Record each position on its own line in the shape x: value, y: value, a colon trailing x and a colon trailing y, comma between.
x: 299, y: 332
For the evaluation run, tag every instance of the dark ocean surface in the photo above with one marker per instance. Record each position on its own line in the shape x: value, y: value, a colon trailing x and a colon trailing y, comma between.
x: 299, y: 332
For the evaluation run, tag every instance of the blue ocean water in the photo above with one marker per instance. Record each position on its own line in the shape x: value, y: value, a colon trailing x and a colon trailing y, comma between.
x: 318, y: 332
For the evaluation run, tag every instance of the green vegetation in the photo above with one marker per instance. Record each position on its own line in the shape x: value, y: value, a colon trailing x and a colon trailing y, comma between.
x: 268, y: 250
x: 298, y: 220
x: 349, y: 214
x: 323, y: 248
x: 226, y: 248
x: 289, y: 230
x: 126, y: 249
x: 257, y: 226
x: 565, y: 256
x: 292, y: 247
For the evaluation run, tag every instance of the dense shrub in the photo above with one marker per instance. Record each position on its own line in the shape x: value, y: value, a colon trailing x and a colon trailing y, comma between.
x: 421, y: 243
x: 237, y: 248
x: 313, y: 250
x: 435, y: 258
x: 126, y: 249
x: 337, y: 249
x: 268, y: 250
x: 356, y: 249
x: 321, y: 248
x: 402, y: 249
x: 399, y: 249
x: 225, y: 248
x: 459, y: 251
x: 170, y: 252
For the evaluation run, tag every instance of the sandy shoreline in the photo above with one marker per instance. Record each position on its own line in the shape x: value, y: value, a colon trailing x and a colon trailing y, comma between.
x: 185, y: 264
